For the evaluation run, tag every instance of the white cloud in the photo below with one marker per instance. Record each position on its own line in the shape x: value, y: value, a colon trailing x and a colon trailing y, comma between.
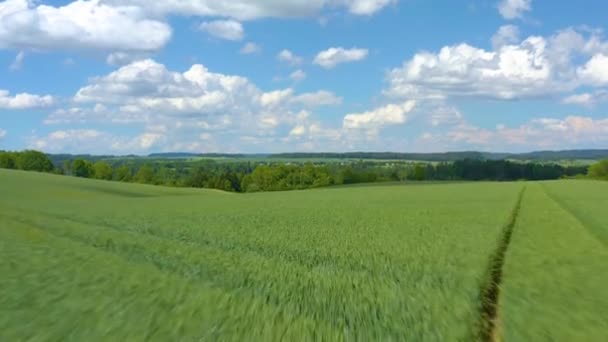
x: 276, y: 98
x: 224, y: 29
x: 95, y: 141
x: 297, y: 76
x: 185, y: 105
x: 580, y: 99
x: 316, y: 99
x: 391, y: 114
x: 254, y: 9
x: 542, y: 133
x: 333, y: 56
x: 98, y: 114
x: 123, y: 58
x: 536, y: 66
x: 513, y: 9
x: 18, y: 62
x: 2, y: 133
x: 506, y: 34
x: 298, y: 131
x: 24, y: 100
x: 367, y: 7
x: 79, y: 25
x: 513, y: 71
x: 595, y: 72
x: 587, y: 99
x: 290, y: 58
x: 445, y: 115
x: 250, y: 48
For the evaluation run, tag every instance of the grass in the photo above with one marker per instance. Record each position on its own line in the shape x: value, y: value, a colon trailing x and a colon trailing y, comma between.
x: 555, y: 276
x: 91, y: 260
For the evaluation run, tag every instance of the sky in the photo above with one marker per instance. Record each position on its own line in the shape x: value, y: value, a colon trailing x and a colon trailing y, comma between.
x: 269, y: 76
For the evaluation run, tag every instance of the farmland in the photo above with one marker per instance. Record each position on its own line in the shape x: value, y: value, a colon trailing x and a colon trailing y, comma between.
x: 93, y: 260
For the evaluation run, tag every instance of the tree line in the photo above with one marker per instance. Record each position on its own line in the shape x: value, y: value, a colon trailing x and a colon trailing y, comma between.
x: 271, y: 175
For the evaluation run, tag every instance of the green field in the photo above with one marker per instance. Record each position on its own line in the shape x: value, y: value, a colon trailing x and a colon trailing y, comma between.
x: 85, y: 260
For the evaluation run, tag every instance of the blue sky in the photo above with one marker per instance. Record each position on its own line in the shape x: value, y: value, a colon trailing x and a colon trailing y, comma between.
x: 133, y: 76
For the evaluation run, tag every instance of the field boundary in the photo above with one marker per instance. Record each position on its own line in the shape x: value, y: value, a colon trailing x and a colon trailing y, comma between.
x: 490, y: 290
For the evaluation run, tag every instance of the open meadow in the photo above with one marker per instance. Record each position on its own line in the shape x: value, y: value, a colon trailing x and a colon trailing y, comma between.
x: 85, y: 260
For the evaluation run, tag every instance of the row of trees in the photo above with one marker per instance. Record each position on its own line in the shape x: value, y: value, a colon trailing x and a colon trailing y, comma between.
x: 252, y: 176
x: 27, y: 160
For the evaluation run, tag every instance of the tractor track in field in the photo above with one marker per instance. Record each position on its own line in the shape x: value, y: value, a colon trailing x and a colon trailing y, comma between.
x: 580, y: 218
x: 490, y: 291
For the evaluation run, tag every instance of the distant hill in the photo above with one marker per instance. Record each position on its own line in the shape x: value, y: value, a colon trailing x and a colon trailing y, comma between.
x: 563, y: 155
x: 431, y: 157
x: 452, y: 156
x: 197, y: 155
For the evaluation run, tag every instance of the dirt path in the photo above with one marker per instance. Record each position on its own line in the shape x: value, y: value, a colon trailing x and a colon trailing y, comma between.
x: 490, y: 292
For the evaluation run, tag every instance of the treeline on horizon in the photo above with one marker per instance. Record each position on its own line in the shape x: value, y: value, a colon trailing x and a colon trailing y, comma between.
x: 253, y: 176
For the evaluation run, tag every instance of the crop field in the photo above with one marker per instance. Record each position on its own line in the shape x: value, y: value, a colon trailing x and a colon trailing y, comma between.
x: 84, y: 260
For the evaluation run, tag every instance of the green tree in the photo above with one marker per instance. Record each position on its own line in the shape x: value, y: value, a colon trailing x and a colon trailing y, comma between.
x: 82, y: 168
x: 165, y: 176
x: 419, y: 172
x: 599, y: 170
x: 145, y: 175
x: 103, y: 170
x: 34, y: 161
x: 123, y: 174
x: 7, y: 160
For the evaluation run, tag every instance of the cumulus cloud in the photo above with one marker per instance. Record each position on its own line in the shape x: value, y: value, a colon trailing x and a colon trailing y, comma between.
x: 95, y: 141
x: 316, y: 99
x: 97, y: 113
x: 391, y: 114
x: 507, y: 34
x: 513, y: 71
x: 140, y: 25
x: 513, y: 9
x: 595, y: 71
x: 587, y: 99
x: 298, y: 131
x: 331, y: 57
x: 367, y: 7
x: 251, y: 9
x: 445, y: 115
x: 297, y: 76
x: 573, y: 131
x: 122, y: 58
x: 2, y: 133
x: 290, y: 58
x: 224, y: 29
x: 24, y: 100
x: 553, y: 133
x: 250, y: 48
x: 79, y: 25
x: 536, y: 66
x: 187, y: 104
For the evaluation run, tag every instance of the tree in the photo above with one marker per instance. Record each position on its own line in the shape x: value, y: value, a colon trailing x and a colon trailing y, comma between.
x: 34, y: 161
x: 103, y: 170
x: 599, y: 170
x: 7, y: 160
x: 418, y: 173
x: 145, y: 175
x: 82, y: 168
x: 123, y: 174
